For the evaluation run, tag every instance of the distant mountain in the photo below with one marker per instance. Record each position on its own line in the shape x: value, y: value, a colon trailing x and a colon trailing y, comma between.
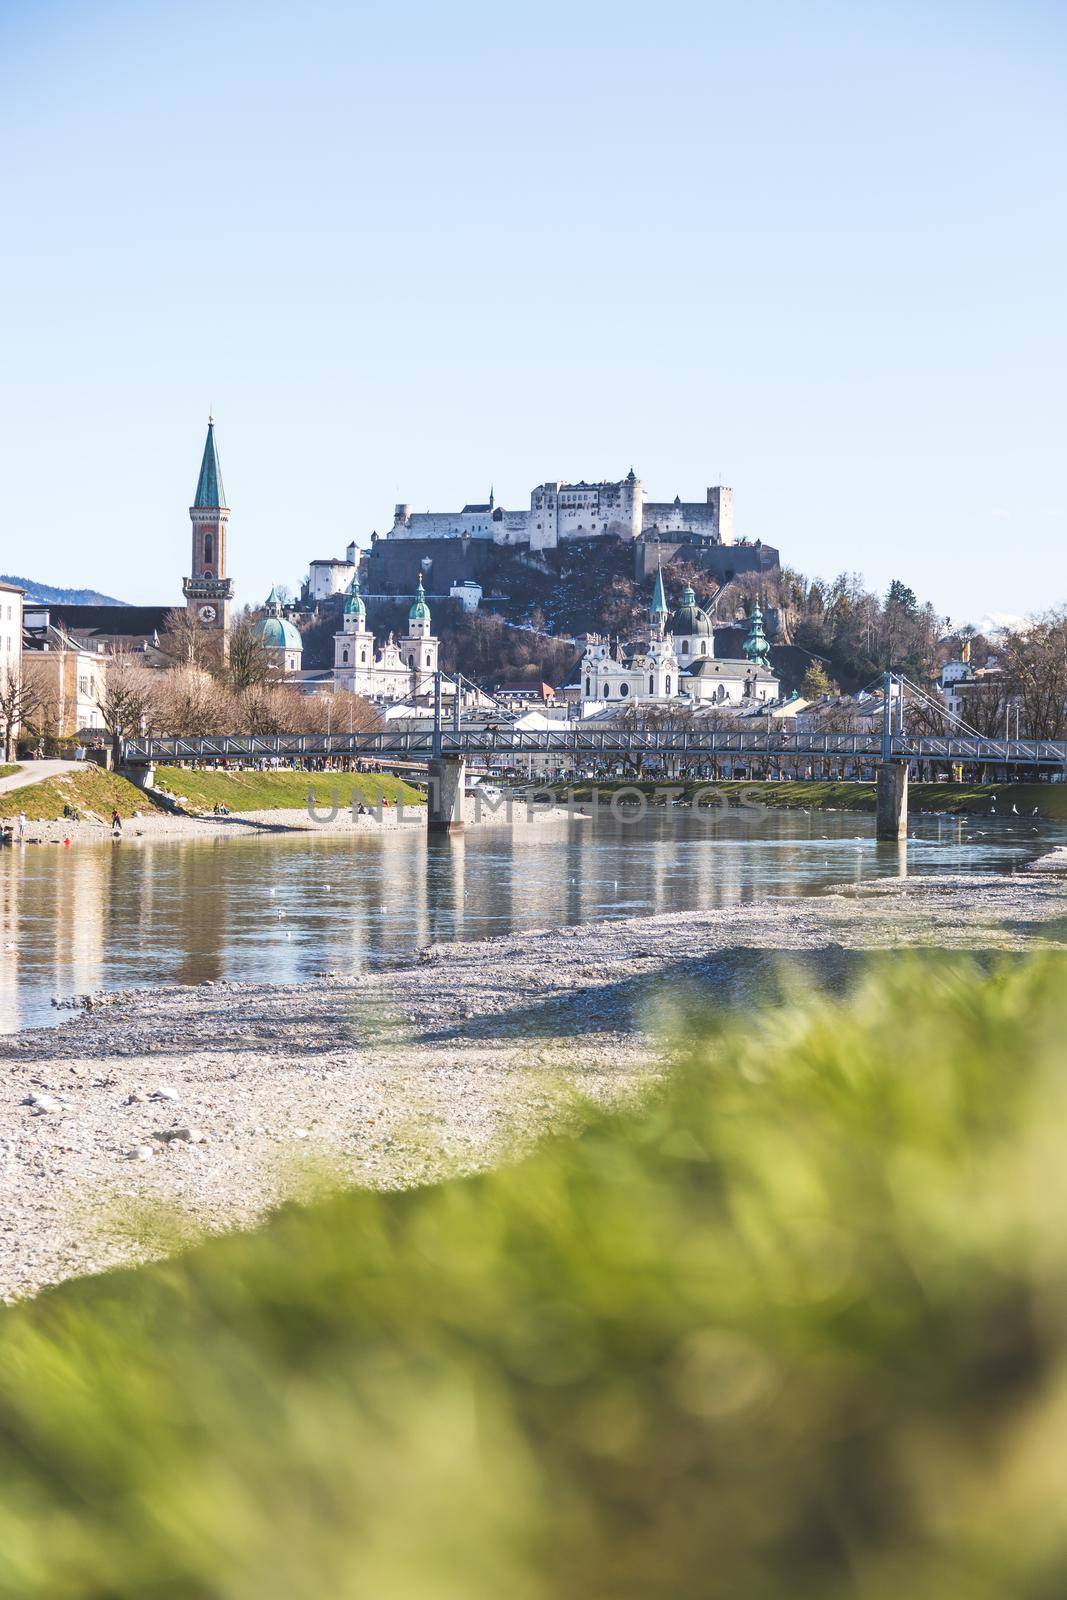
x: 48, y: 594
x: 998, y: 622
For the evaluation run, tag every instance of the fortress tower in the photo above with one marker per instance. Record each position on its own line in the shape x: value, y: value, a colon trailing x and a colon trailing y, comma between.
x: 208, y: 591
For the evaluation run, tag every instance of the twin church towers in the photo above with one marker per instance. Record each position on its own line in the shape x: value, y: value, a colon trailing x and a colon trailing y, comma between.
x: 208, y: 591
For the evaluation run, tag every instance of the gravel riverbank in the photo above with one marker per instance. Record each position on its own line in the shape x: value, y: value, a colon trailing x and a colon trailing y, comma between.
x: 243, y: 824
x: 219, y: 1101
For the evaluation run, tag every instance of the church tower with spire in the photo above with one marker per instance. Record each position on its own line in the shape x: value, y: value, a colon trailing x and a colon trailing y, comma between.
x: 208, y: 591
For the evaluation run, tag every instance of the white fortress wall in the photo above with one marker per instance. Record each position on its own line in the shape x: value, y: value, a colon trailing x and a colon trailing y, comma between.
x: 560, y: 511
x: 713, y: 518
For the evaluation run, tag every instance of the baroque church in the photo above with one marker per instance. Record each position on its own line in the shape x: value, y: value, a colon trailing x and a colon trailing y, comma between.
x: 677, y: 661
x: 400, y: 669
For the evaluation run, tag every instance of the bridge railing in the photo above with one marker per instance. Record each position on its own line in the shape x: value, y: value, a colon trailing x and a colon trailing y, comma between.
x: 579, y: 741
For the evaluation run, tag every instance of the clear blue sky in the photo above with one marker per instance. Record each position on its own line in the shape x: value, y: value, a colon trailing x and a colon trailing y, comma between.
x: 409, y: 250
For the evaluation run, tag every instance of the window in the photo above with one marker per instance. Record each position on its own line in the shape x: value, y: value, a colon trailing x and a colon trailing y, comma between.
x: 344, y: 657
x: 207, y: 548
x: 703, y: 647
x: 651, y: 684
x: 588, y: 687
x: 685, y: 647
x: 667, y: 685
x: 411, y: 660
x: 427, y: 658
x: 624, y: 689
x: 362, y: 655
x: 607, y: 691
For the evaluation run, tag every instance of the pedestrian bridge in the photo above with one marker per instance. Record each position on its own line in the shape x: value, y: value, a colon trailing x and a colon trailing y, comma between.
x: 573, y: 744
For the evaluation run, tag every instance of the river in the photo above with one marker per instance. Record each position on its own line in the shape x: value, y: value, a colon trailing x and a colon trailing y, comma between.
x: 283, y: 907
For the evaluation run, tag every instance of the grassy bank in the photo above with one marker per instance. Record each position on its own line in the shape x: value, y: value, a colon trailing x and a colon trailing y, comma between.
x: 9, y: 771
x: 91, y: 790
x: 797, y: 1328
x: 1049, y: 799
x: 201, y: 789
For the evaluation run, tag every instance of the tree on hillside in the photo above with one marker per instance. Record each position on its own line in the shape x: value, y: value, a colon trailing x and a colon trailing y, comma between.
x: 815, y: 683
x: 1034, y: 664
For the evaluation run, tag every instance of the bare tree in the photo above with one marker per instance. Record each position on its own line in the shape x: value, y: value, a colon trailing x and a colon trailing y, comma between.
x: 20, y: 699
x: 126, y: 699
x: 1034, y: 663
x: 190, y: 701
x: 188, y: 642
x: 248, y: 666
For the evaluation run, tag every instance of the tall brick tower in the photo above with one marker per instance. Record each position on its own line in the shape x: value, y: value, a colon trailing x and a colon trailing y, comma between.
x: 208, y: 591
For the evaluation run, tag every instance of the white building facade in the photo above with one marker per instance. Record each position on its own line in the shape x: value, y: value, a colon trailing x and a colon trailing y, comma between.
x: 400, y: 669
x: 561, y: 511
x: 10, y: 659
x: 677, y: 662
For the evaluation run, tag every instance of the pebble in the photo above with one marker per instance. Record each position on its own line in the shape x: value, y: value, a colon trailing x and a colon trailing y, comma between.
x: 140, y: 1152
x: 181, y: 1136
x: 163, y: 1093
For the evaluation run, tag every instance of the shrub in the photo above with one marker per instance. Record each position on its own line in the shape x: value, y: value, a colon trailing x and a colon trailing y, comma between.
x: 797, y: 1327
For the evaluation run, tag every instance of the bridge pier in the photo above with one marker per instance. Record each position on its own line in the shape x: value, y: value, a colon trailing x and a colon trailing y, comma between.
x: 891, y: 801
x: 445, y: 797
x: 143, y: 777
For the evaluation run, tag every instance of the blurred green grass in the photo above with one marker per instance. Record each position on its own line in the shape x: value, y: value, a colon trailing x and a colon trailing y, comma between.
x: 796, y: 1327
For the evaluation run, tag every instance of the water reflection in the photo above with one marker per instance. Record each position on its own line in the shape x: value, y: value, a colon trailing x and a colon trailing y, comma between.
x: 283, y: 907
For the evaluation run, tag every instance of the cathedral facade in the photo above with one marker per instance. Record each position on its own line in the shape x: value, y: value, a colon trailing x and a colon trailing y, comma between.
x: 400, y: 669
x: 677, y: 661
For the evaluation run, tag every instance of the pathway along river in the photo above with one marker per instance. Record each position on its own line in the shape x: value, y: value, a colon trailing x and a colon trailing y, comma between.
x: 284, y: 907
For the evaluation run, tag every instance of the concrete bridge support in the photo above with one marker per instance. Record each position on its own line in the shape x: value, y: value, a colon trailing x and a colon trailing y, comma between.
x: 445, y: 798
x: 143, y: 777
x: 891, y: 801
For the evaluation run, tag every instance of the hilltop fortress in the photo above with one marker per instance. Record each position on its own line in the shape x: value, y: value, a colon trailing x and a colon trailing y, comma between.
x: 560, y: 511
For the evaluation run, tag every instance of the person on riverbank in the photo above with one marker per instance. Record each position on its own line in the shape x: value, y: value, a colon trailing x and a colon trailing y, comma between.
x: 116, y: 825
x: 21, y: 824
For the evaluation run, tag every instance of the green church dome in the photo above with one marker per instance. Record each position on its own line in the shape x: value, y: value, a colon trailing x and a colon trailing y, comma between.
x: 420, y: 611
x: 273, y: 631
x: 689, y: 617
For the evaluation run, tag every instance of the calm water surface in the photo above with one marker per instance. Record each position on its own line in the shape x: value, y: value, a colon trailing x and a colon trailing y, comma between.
x: 281, y: 908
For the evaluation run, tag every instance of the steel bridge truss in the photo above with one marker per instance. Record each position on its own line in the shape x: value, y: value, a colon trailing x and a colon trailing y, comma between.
x: 573, y: 743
